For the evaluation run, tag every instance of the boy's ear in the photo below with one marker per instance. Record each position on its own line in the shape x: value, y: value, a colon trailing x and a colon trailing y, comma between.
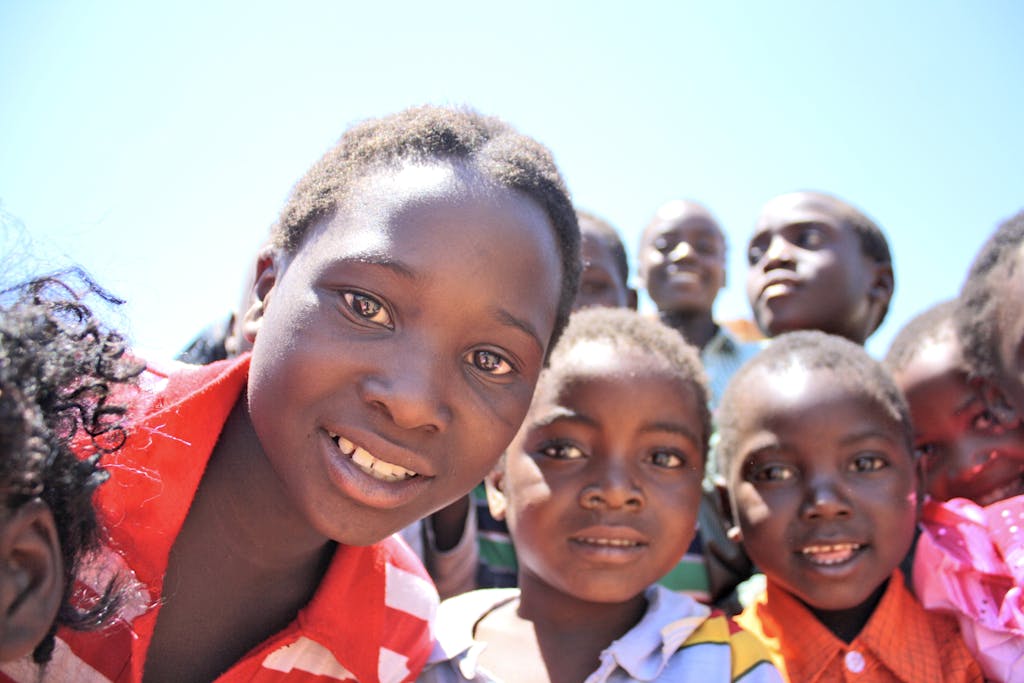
x: 31, y: 578
x: 269, y: 266
x: 882, y: 287
x: 496, y: 500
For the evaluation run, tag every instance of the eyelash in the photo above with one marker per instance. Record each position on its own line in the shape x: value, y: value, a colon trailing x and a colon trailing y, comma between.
x: 504, y: 367
x: 873, y: 462
x: 556, y: 451
x: 359, y: 304
x: 676, y: 459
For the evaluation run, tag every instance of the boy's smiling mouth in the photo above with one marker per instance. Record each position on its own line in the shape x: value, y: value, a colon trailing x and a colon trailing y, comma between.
x: 365, y: 461
x: 830, y: 554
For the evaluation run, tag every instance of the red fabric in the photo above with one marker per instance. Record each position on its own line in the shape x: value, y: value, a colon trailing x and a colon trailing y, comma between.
x: 900, y: 643
x: 367, y: 621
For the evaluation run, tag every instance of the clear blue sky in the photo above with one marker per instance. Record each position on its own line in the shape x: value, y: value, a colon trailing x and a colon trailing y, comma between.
x: 155, y: 142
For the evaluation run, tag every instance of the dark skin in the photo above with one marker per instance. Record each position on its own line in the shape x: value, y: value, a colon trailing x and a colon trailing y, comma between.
x: 846, y: 624
x: 228, y: 551
x: 697, y: 327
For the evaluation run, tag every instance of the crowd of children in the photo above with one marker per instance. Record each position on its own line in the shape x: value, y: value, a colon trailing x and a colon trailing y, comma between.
x: 435, y: 345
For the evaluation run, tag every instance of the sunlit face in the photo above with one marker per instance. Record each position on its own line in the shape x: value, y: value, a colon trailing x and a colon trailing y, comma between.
x: 397, y: 350
x: 603, y: 482
x: 601, y: 282
x: 808, y: 270
x: 823, y: 486
x: 682, y: 259
x: 963, y: 451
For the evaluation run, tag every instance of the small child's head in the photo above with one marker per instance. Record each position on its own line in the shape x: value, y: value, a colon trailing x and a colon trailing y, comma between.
x: 818, y: 263
x: 58, y: 368
x: 682, y: 258
x: 990, y: 316
x: 605, y: 277
x: 815, y: 447
x: 963, y: 451
x: 418, y: 275
x: 602, y: 483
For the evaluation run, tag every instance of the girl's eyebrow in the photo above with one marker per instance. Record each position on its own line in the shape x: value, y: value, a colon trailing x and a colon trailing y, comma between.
x: 502, y: 315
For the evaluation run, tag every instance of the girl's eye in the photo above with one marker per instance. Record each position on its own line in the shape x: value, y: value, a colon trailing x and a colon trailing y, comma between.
x: 667, y: 459
x: 561, y: 451
x: 773, y: 473
x: 984, y: 421
x: 868, y: 463
x: 490, y: 362
x: 368, y: 308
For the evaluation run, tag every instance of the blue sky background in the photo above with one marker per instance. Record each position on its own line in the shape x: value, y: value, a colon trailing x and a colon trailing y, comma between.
x: 155, y: 143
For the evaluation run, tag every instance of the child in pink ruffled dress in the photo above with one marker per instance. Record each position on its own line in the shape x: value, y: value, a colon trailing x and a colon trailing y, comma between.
x: 970, y: 556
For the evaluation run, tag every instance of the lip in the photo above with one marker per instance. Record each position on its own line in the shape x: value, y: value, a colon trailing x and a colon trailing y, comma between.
x: 352, y: 479
x: 610, y: 544
x: 678, y: 273
x: 831, y: 556
x: 1002, y: 477
x: 779, y: 286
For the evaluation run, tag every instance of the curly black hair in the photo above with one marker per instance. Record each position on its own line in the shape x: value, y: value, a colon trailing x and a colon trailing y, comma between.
x: 848, y: 363
x: 625, y: 330
x: 932, y: 325
x: 975, y: 316
x: 59, y: 366
x: 427, y: 134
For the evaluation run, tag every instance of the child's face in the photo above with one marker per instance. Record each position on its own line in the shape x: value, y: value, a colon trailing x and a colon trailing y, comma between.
x: 822, y: 485
x: 396, y: 352
x: 682, y: 261
x: 808, y: 270
x: 602, y: 484
x: 600, y: 282
x: 963, y: 452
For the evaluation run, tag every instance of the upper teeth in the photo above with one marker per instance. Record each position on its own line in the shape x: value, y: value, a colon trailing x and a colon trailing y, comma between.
x: 609, y: 541
x: 375, y: 467
x: 837, y: 547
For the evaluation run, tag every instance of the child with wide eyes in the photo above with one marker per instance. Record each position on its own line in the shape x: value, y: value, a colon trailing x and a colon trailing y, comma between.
x: 816, y: 449
x: 396, y: 345
x: 600, y: 488
x: 60, y: 368
x: 818, y: 263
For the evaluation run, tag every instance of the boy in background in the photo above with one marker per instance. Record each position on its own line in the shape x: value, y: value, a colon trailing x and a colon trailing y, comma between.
x: 818, y: 263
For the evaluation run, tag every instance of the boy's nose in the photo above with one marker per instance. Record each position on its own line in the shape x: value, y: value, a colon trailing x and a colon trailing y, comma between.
x: 779, y: 252
x: 825, y: 500
x: 613, y: 488
x: 410, y: 392
x: 681, y: 251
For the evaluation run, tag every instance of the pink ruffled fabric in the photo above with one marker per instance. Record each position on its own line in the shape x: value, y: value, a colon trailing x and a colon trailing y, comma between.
x: 970, y: 561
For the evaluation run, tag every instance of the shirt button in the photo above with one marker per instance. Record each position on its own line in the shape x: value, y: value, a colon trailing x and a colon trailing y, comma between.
x: 854, y: 661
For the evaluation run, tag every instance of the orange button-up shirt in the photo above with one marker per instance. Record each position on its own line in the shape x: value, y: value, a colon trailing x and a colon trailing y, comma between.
x: 900, y: 643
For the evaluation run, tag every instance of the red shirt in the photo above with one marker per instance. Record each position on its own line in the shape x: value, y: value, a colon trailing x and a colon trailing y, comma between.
x: 900, y: 643
x: 368, y: 620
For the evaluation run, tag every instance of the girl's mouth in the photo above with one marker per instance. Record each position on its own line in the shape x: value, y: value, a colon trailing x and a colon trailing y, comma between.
x: 368, y: 463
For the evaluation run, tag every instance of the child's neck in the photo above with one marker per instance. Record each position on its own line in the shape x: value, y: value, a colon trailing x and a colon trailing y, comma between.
x: 241, y: 567
x: 697, y: 328
x: 846, y: 624
x: 565, y: 635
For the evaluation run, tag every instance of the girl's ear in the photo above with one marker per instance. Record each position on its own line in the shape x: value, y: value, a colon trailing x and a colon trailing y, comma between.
x: 497, y: 502
x: 31, y: 578
x: 269, y: 266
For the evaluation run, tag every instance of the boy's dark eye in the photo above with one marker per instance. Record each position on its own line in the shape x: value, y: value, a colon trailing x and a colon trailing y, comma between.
x: 868, y: 463
x: 810, y: 237
x: 561, y: 451
x: 755, y: 252
x: 669, y: 459
x: 490, y: 362
x: 367, y: 307
x: 664, y: 245
x: 773, y: 473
